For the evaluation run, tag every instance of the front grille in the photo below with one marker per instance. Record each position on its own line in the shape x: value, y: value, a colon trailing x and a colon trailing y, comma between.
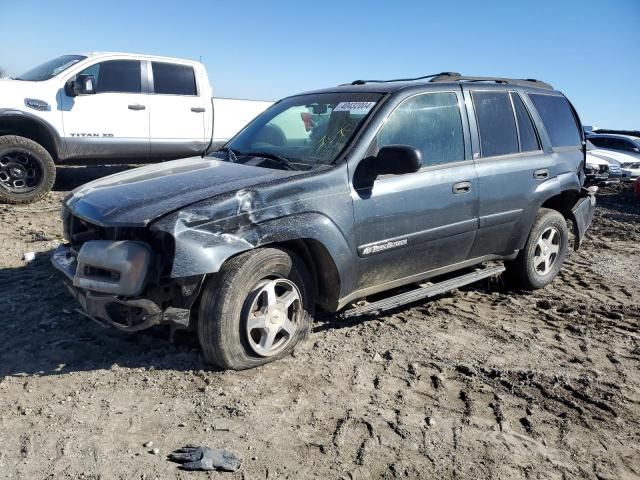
x: 78, y: 231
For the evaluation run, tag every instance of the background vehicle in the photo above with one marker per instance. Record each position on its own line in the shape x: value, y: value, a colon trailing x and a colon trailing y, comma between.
x: 597, y: 171
x: 601, y: 169
x: 619, y: 143
x: 632, y: 133
x: 108, y: 107
x: 623, y: 150
x: 396, y: 183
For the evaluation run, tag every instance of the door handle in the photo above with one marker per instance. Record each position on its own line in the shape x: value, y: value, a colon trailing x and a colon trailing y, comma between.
x: 197, y: 109
x: 136, y: 106
x: 541, y: 174
x: 461, y: 187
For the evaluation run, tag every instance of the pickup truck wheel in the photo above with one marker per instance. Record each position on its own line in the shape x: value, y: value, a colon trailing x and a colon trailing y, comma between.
x: 27, y: 171
x: 540, y: 260
x: 255, y: 310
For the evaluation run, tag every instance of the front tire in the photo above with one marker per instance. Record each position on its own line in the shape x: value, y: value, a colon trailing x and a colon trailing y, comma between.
x: 540, y: 260
x: 255, y: 310
x: 27, y: 171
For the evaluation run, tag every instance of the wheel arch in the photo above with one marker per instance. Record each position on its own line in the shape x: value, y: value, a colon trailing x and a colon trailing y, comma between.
x: 15, y: 122
x: 321, y: 266
x: 312, y: 236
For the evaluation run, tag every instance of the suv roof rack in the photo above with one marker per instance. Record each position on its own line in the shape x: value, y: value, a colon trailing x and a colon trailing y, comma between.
x: 456, y: 77
x: 362, y: 82
x: 523, y: 82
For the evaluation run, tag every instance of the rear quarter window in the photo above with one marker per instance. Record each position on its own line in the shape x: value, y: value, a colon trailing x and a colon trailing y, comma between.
x: 558, y: 119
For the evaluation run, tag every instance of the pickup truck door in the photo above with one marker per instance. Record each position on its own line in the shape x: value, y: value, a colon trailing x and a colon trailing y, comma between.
x: 413, y: 223
x: 113, y: 122
x: 180, y: 111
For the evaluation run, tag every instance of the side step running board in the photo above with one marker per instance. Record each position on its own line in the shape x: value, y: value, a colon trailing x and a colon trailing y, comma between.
x: 422, y: 293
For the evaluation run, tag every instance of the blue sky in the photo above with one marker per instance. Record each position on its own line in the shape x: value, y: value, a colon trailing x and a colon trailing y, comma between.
x: 255, y: 49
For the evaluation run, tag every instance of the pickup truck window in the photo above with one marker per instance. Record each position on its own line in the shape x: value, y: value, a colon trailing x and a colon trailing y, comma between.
x: 558, y: 119
x: 496, y: 123
x: 173, y: 79
x: 306, y: 131
x: 121, y: 76
x: 51, y: 68
x: 430, y: 122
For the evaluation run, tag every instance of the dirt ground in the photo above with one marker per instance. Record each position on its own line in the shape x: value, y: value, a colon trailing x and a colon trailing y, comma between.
x: 485, y: 382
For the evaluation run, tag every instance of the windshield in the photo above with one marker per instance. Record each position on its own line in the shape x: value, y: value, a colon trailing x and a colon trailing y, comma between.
x: 51, y: 68
x: 302, y: 132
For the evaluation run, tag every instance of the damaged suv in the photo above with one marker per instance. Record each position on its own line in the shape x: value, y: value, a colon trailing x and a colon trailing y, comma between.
x: 329, y: 197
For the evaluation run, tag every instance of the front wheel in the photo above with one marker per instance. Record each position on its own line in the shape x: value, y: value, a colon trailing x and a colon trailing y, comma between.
x: 256, y: 309
x: 540, y: 260
x: 27, y: 171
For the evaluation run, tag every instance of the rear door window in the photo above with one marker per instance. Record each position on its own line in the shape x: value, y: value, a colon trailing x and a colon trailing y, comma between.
x: 558, y: 119
x: 528, y: 137
x: 173, y: 79
x: 430, y: 122
x: 496, y: 123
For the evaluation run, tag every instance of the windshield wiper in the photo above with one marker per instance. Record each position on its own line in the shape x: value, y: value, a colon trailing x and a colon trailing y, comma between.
x: 231, y: 154
x: 279, y: 159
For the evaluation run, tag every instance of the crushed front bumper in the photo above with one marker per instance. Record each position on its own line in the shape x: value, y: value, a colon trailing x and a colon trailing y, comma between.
x: 110, y: 303
x: 582, y: 213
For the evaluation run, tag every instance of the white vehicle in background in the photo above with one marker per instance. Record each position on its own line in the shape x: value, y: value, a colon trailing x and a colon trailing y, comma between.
x: 620, y: 150
x: 630, y: 173
x: 108, y: 107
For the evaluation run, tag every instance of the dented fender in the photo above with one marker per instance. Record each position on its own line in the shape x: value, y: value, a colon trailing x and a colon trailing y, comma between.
x: 207, y: 234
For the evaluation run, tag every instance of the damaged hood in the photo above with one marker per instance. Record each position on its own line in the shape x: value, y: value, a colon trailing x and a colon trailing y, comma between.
x: 137, y: 197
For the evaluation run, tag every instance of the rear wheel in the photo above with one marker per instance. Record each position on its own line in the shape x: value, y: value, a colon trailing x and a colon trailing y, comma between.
x: 27, y: 171
x: 540, y: 260
x: 255, y: 310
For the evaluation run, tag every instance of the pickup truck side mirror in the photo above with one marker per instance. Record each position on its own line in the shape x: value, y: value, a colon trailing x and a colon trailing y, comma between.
x: 83, y: 85
x: 397, y: 160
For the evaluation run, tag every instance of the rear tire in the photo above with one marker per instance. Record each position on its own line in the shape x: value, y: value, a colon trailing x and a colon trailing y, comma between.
x: 540, y: 260
x: 27, y: 171
x: 239, y: 326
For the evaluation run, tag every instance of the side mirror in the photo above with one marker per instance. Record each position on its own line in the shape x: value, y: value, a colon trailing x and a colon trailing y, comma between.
x: 84, y: 85
x: 397, y: 160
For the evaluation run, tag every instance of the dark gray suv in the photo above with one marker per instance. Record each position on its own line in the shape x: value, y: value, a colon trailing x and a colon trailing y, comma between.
x: 327, y: 198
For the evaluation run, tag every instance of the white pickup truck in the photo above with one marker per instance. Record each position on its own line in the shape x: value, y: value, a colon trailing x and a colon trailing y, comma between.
x: 108, y: 107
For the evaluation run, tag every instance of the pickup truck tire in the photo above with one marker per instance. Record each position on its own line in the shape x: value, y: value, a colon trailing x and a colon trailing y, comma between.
x: 27, y: 171
x: 540, y: 260
x: 245, y: 318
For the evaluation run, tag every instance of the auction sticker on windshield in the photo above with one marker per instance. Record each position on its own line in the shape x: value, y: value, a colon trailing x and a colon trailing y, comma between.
x: 354, y: 107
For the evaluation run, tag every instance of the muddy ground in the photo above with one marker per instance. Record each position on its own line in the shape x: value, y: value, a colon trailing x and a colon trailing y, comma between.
x: 481, y: 383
